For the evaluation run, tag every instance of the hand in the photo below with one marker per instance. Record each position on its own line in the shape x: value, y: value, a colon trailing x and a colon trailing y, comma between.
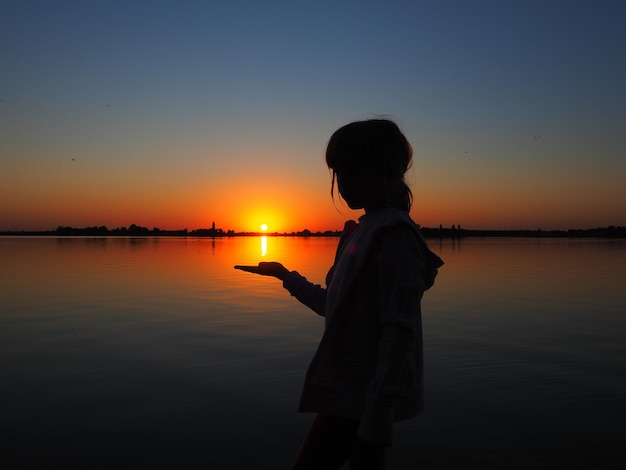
x: 266, y: 268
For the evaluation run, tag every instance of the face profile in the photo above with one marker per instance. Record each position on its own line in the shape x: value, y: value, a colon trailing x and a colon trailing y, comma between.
x: 360, y: 188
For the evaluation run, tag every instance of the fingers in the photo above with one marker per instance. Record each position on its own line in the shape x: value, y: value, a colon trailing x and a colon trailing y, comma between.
x: 262, y: 269
x: 250, y: 269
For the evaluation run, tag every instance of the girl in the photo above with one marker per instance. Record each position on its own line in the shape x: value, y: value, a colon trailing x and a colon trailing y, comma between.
x: 367, y: 371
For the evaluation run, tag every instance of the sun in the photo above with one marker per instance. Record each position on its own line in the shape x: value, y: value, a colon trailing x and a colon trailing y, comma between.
x: 264, y: 227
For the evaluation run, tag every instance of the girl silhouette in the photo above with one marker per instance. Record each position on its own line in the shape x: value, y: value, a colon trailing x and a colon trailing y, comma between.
x: 367, y: 371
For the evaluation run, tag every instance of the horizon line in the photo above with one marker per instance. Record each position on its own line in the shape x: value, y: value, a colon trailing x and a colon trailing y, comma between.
x: 134, y: 229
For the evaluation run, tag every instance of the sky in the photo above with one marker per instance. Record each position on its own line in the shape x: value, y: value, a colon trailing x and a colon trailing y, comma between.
x: 180, y: 114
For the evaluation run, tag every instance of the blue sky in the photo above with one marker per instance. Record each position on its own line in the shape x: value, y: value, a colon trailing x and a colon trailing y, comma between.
x: 516, y: 109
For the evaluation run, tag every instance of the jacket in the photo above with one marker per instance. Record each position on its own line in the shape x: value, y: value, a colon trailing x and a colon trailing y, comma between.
x: 369, y: 363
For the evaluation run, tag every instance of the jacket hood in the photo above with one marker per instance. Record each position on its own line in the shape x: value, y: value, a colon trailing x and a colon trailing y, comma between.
x: 389, y: 217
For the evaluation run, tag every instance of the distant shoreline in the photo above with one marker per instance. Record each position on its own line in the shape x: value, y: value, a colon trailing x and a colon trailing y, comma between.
x: 454, y: 233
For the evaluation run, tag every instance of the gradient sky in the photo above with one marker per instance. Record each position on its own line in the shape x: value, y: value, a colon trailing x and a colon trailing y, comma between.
x: 182, y: 113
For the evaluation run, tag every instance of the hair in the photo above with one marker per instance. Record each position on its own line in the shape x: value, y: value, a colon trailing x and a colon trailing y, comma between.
x: 379, y: 146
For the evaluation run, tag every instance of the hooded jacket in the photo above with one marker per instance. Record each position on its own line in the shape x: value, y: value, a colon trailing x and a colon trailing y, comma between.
x: 369, y: 363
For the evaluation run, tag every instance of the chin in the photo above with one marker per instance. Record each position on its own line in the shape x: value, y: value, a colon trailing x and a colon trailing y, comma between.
x: 355, y: 206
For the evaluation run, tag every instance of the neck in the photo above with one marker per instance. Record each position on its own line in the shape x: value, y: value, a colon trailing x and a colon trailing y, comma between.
x: 375, y: 207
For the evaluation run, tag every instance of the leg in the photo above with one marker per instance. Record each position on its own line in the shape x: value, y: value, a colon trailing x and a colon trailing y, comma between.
x: 367, y: 456
x: 328, y: 443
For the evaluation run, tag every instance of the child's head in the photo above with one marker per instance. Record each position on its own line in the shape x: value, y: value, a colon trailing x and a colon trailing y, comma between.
x: 368, y: 160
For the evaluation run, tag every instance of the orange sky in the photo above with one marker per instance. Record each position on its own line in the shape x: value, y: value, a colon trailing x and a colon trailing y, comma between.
x: 84, y: 193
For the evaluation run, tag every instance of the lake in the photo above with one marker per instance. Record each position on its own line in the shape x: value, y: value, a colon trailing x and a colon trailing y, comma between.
x: 155, y: 352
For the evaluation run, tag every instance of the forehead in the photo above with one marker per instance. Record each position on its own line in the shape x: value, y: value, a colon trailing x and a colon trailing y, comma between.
x: 354, y: 165
x: 357, y: 171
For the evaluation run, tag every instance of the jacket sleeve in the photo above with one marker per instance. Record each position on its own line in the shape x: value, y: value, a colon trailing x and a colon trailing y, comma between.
x: 314, y: 295
x: 401, y: 270
x: 311, y: 295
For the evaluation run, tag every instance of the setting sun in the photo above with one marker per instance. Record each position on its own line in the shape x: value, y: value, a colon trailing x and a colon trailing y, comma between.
x: 264, y: 227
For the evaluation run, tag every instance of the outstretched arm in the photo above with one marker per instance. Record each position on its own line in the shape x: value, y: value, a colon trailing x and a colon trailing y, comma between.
x: 311, y: 295
x: 267, y: 268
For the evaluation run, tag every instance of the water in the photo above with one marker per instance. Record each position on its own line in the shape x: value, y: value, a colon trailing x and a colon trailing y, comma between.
x: 154, y: 352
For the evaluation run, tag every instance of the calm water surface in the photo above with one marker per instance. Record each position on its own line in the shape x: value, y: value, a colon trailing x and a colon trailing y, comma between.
x: 155, y: 352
